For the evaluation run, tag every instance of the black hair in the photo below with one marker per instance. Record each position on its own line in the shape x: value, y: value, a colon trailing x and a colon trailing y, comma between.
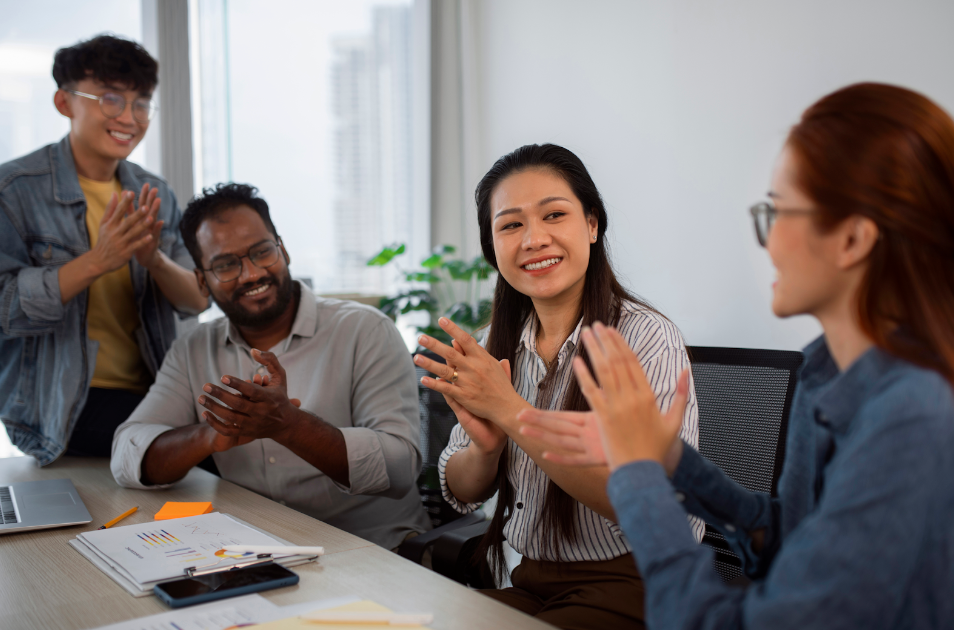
x: 109, y: 59
x: 212, y: 202
x: 602, y: 300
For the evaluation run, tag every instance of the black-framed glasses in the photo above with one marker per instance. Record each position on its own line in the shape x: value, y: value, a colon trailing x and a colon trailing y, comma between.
x: 229, y: 267
x: 764, y: 215
x: 113, y: 105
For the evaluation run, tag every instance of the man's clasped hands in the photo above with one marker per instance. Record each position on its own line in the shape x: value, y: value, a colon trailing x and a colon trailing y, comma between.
x: 257, y: 408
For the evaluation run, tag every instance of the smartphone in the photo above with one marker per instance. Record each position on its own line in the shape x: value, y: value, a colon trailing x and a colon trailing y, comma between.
x: 213, y: 586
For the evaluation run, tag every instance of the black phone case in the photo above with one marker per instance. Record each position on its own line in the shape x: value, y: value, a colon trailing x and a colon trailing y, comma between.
x: 214, y: 595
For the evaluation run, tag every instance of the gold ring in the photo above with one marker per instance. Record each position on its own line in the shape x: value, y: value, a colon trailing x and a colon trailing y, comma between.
x: 453, y: 379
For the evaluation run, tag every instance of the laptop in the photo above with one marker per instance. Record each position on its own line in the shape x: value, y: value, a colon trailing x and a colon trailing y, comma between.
x: 40, y: 504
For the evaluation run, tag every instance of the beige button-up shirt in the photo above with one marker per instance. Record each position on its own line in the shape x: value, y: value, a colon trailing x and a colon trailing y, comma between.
x: 349, y: 366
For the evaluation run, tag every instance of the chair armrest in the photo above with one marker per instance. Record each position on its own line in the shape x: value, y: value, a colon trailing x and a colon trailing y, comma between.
x: 413, y: 548
x: 453, y: 556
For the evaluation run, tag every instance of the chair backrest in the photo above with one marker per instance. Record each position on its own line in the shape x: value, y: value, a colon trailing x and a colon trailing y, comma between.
x: 437, y: 421
x: 744, y: 397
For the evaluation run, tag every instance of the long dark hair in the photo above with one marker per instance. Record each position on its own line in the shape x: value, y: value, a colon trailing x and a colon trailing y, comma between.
x: 602, y: 299
x: 887, y: 153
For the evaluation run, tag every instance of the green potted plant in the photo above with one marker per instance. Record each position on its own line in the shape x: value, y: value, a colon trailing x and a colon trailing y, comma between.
x: 455, y: 289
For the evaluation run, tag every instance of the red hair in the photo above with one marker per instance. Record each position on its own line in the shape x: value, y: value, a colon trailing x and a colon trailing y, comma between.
x: 887, y: 153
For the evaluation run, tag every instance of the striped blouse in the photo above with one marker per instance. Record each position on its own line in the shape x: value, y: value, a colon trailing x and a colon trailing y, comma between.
x: 662, y: 352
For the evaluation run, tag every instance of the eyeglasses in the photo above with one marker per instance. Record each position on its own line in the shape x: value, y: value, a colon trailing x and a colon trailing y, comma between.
x: 229, y: 267
x: 113, y: 105
x: 764, y: 215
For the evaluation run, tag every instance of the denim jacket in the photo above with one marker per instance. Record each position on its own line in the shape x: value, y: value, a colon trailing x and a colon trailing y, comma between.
x: 861, y: 534
x: 46, y: 357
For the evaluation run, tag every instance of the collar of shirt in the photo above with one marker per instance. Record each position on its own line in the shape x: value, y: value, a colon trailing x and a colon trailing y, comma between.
x: 305, y: 325
x: 528, y: 339
x: 841, y: 394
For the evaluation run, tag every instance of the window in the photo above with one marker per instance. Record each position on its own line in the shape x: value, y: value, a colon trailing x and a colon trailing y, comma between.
x: 311, y: 101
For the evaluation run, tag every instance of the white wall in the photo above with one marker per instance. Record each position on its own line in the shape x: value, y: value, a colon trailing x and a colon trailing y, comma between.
x: 678, y: 108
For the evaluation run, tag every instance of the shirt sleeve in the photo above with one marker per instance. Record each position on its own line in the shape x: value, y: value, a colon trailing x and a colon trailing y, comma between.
x: 30, y: 302
x: 707, y: 492
x: 384, y: 456
x: 458, y: 440
x: 848, y: 564
x: 168, y: 405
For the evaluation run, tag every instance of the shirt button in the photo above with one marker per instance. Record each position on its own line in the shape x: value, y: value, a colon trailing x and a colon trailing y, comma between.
x: 271, y: 460
x: 680, y: 497
x: 729, y: 527
x: 519, y: 505
x: 262, y: 370
x: 822, y: 418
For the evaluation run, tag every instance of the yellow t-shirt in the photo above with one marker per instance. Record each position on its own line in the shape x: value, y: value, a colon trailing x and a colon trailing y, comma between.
x: 112, y: 317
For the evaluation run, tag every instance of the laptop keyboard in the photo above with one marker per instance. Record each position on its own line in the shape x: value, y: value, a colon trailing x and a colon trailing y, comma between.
x: 7, y: 514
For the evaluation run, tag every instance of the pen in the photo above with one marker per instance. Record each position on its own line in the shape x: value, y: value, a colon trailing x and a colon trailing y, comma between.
x: 120, y: 517
x: 276, y: 549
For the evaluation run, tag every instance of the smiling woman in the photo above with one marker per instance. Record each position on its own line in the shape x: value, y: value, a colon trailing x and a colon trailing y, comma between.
x: 542, y: 226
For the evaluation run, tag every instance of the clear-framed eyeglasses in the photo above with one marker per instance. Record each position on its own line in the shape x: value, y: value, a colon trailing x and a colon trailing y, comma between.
x: 764, y: 215
x: 113, y: 105
x: 229, y: 267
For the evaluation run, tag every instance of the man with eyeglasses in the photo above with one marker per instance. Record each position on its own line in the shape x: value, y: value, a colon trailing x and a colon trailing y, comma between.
x: 92, y: 268
x: 309, y: 401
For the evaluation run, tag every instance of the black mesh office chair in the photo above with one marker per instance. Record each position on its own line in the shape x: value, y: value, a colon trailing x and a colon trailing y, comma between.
x: 744, y: 397
x: 437, y: 421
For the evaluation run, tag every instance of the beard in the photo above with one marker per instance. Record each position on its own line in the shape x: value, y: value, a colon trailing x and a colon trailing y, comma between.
x: 241, y: 316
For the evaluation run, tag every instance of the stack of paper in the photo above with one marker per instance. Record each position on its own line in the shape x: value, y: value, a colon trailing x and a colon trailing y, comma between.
x: 140, y: 556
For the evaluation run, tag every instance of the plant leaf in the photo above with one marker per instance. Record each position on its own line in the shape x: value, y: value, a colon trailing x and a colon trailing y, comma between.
x: 421, y: 276
x: 386, y: 255
x: 458, y: 269
x: 432, y: 261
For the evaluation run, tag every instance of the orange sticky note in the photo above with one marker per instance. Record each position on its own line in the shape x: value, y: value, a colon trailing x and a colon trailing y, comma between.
x: 180, y: 510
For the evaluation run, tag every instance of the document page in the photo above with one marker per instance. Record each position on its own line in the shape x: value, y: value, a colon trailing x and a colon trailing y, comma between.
x: 148, y: 552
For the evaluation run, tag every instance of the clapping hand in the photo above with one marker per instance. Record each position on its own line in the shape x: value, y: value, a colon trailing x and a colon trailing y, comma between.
x: 629, y: 423
x: 148, y: 253
x: 260, y: 408
x: 484, y: 435
x: 472, y: 378
x: 574, y: 436
x: 123, y: 231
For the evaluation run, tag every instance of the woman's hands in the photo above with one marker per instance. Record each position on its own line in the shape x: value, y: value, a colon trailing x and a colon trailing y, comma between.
x: 486, y: 437
x: 574, y: 436
x: 482, y: 387
x: 628, y: 420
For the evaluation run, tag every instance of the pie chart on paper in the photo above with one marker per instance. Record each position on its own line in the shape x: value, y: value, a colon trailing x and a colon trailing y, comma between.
x: 222, y: 553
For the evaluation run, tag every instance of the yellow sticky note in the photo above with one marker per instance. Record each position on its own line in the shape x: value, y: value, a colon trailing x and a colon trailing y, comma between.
x: 181, y: 510
x: 297, y: 623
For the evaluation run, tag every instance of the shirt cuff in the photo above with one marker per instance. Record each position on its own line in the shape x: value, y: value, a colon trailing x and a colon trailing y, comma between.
x: 39, y: 289
x: 462, y: 508
x: 367, y: 470
x: 129, y: 449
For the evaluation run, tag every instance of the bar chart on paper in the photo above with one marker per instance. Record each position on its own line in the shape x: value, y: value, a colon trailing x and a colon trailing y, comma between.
x: 206, y: 544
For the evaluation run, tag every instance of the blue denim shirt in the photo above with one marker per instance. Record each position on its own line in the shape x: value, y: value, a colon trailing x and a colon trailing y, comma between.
x: 46, y: 357
x: 861, y: 534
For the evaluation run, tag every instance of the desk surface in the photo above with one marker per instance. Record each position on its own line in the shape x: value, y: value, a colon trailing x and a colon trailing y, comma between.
x: 44, y: 583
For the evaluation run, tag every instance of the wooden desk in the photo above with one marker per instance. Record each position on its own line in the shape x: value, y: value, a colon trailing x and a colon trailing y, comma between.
x: 45, y: 583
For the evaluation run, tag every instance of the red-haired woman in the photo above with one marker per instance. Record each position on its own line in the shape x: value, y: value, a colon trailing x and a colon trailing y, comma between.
x: 860, y: 226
